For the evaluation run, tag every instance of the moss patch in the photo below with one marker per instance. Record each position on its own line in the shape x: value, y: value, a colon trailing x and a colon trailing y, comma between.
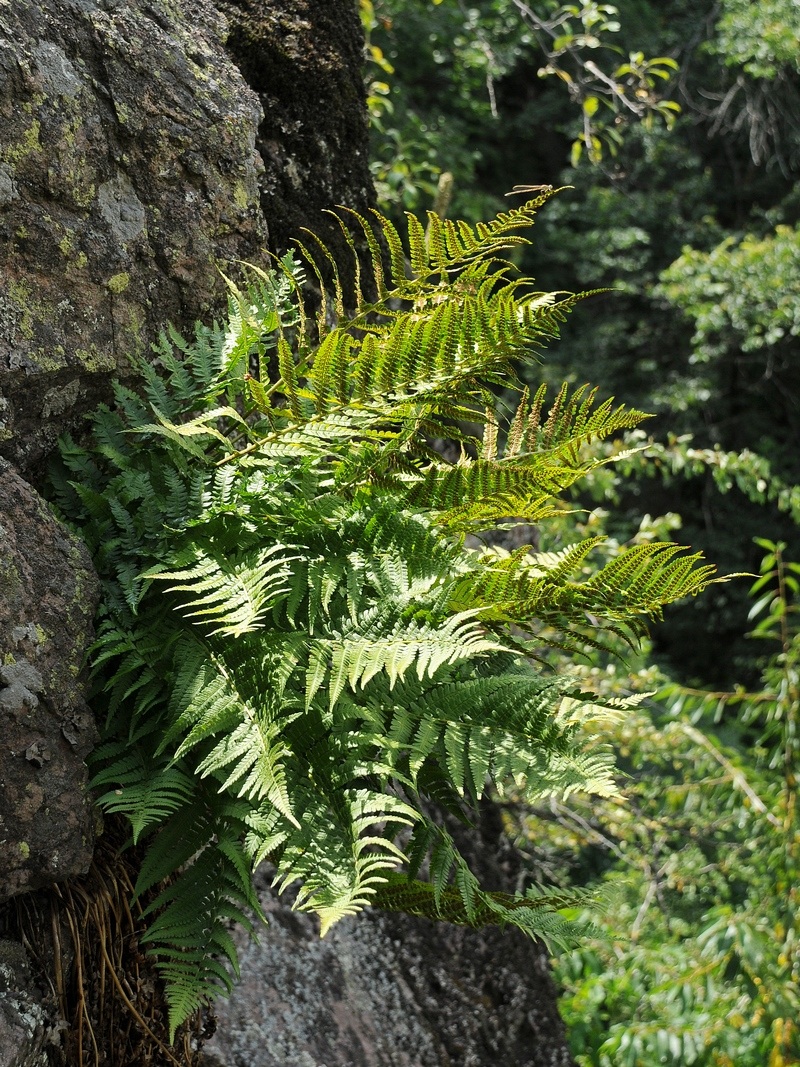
x: 118, y: 283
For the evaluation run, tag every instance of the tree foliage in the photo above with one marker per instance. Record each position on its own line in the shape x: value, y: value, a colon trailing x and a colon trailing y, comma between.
x: 743, y: 294
x: 696, y: 229
x: 437, y: 109
x: 703, y: 869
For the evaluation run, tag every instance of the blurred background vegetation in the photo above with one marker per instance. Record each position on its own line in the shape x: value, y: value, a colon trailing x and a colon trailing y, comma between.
x: 676, y: 123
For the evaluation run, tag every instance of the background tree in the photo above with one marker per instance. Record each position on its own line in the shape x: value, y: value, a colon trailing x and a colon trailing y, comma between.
x: 694, y: 222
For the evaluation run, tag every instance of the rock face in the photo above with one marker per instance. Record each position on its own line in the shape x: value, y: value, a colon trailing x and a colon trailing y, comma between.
x: 142, y: 144
x: 392, y: 991
x: 131, y: 165
x: 24, y: 1030
x: 304, y: 59
x: 388, y: 991
x: 128, y: 168
x: 48, y: 593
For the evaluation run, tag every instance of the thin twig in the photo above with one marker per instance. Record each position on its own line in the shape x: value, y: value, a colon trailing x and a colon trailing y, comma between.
x: 737, y: 778
x: 132, y: 1009
x: 652, y: 889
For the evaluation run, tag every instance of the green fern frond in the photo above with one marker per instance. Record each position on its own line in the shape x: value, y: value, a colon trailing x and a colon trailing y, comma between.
x: 512, y: 727
x: 236, y: 735
x: 357, y: 659
x: 189, y: 932
x: 230, y: 595
x: 453, y: 894
x: 298, y: 652
x: 135, y: 689
x: 493, y: 487
x: 574, y: 420
x: 537, y: 916
x: 539, y: 461
x: 148, y: 795
x: 337, y: 855
x: 640, y: 581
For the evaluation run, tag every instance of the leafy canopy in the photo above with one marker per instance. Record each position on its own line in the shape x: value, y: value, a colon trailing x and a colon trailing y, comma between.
x: 701, y: 867
x: 305, y: 646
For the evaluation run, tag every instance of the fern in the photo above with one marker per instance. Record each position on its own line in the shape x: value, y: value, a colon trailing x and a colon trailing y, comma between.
x: 453, y: 894
x: 297, y: 651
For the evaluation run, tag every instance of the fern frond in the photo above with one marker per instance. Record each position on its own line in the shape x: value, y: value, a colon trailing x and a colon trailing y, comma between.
x: 465, y: 905
x: 455, y: 490
x: 193, y: 911
x: 453, y: 894
x: 298, y: 652
x: 237, y: 732
x: 148, y: 795
x: 511, y: 732
x: 357, y: 659
x: 135, y: 649
x: 234, y: 594
x: 640, y: 581
x: 337, y: 854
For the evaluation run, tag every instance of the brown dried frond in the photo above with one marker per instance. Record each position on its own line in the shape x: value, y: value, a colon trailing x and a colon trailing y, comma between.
x: 83, y: 939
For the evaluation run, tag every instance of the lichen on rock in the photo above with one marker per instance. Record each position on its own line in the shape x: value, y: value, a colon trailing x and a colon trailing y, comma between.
x: 48, y: 593
x: 23, y: 1018
x: 127, y: 151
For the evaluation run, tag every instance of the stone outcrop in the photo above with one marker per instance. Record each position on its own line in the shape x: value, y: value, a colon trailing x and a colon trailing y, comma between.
x: 143, y: 144
x: 24, y: 1025
x: 132, y: 164
x: 128, y: 170
x: 387, y: 990
x: 48, y: 593
x: 304, y: 60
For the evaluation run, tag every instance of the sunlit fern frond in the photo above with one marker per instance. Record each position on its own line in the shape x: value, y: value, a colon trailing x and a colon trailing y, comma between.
x: 410, y: 269
x: 298, y: 651
x: 338, y: 855
x: 231, y: 595
x: 537, y: 590
x: 442, y: 333
x: 453, y: 893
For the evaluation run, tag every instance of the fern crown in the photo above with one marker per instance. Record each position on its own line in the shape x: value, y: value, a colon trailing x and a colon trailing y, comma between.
x: 305, y: 649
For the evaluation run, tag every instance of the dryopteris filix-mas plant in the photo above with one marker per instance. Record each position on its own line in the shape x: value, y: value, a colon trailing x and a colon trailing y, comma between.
x: 299, y: 647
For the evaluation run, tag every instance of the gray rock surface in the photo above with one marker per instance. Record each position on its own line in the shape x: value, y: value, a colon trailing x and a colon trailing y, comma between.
x: 128, y: 170
x: 48, y: 594
x: 24, y: 1030
x: 387, y: 990
x: 304, y: 59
